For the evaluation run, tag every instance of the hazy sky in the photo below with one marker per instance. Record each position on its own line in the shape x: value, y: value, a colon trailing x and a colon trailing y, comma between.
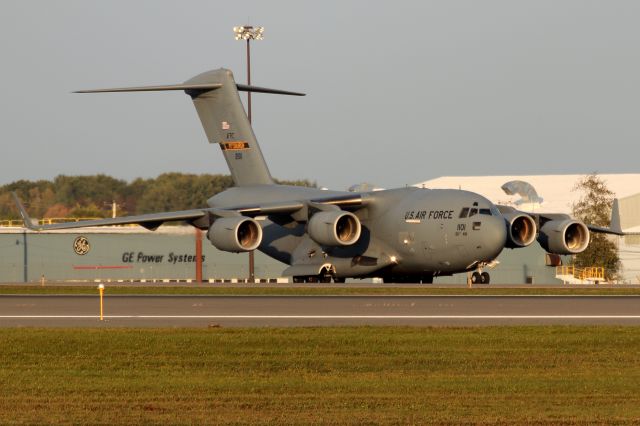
x: 398, y: 92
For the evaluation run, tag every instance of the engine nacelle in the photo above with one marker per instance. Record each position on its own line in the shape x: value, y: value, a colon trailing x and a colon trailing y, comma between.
x: 235, y: 234
x: 521, y: 230
x: 334, y: 228
x: 564, y: 236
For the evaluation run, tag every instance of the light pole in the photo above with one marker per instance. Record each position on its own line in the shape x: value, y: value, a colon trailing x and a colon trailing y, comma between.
x: 248, y: 33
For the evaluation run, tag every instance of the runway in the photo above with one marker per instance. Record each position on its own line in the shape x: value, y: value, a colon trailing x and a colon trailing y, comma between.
x: 251, y: 311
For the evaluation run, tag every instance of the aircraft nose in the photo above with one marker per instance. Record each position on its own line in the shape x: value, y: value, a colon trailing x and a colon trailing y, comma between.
x: 496, y: 237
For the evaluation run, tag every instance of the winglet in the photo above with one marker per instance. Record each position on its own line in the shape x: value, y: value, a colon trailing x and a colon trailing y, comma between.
x: 615, y: 218
x: 28, y: 223
x: 615, y: 226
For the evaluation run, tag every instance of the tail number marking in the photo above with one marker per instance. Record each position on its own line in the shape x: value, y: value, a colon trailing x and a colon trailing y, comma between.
x: 234, y: 146
x: 461, y: 230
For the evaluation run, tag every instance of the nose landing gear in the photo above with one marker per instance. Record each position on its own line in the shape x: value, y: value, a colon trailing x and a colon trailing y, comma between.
x: 480, y: 278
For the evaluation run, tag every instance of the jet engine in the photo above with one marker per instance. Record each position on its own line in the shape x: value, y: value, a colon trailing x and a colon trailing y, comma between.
x: 235, y: 234
x: 334, y: 228
x: 564, y: 236
x: 521, y: 230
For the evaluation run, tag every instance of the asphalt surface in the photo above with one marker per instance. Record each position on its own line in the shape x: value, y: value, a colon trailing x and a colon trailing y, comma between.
x: 353, y: 283
x: 251, y: 311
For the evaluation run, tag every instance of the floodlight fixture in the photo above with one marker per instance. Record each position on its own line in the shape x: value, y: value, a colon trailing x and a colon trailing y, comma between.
x: 247, y: 32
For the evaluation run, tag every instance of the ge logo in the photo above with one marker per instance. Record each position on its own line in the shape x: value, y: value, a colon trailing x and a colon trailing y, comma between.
x: 81, y: 246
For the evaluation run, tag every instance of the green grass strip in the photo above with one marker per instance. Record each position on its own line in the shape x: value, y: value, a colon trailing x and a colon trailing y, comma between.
x: 344, y: 375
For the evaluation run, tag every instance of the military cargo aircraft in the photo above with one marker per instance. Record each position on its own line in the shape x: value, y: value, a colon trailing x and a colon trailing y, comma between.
x: 401, y: 235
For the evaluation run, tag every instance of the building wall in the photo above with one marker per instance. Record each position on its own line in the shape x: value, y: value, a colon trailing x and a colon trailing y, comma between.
x: 169, y: 253
x: 114, y: 255
x: 11, y: 257
x: 630, y: 216
x: 629, y: 246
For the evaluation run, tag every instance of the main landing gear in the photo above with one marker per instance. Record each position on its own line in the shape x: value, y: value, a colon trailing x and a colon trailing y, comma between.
x: 480, y: 278
x: 318, y: 279
x: 325, y: 276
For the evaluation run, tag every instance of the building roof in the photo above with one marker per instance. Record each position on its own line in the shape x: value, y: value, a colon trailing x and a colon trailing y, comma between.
x: 557, y: 191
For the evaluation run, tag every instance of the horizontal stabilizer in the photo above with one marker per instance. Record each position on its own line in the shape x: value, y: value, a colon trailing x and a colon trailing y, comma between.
x: 256, y: 89
x: 197, y: 88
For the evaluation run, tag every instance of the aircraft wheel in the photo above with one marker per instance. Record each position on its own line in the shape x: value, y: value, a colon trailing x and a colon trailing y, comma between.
x: 312, y: 279
x: 485, y: 278
x: 298, y: 280
x: 476, y: 278
x: 339, y: 280
x: 325, y: 276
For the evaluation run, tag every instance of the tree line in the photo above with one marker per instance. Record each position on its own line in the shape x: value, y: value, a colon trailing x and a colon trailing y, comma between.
x: 92, y: 196
x: 594, y: 208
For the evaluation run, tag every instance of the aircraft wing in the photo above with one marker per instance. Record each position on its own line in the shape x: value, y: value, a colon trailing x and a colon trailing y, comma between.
x: 149, y: 221
x: 200, y: 218
x: 348, y: 201
x: 613, y: 229
x: 601, y: 230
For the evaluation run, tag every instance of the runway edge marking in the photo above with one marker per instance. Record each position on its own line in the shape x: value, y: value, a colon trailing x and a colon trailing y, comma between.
x: 322, y: 316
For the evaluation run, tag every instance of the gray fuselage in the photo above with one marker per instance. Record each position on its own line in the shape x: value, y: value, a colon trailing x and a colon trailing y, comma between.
x: 406, y: 232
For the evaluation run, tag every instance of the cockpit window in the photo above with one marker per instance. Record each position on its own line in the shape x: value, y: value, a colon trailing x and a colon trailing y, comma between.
x: 469, y: 212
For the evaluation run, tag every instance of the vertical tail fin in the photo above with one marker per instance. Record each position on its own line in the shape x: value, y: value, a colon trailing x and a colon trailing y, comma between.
x: 215, y: 96
x: 225, y: 123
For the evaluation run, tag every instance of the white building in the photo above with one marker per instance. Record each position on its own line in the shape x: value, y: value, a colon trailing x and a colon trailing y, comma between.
x: 557, y: 194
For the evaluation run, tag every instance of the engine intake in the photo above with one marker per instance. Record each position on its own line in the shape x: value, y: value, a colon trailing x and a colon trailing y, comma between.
x: 564, y: 236
x: 521, y: 230
x: 334, y: 228
x: 235, y: 234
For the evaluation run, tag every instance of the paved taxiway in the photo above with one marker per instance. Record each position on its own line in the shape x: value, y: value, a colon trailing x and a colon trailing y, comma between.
x: 187, y: 311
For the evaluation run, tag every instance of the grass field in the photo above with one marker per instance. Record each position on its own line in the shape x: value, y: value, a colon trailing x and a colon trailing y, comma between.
x: 286, y: 290
x: 346, y: 375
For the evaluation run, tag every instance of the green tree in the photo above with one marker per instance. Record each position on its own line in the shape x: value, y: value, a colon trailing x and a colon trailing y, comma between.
x: 85, y: 190
x: 90, y: 196
x: 594, y: 208
x: 180, y: 191
x: 88, y: 211
x: 35, y: 195
x: 7, y: 207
